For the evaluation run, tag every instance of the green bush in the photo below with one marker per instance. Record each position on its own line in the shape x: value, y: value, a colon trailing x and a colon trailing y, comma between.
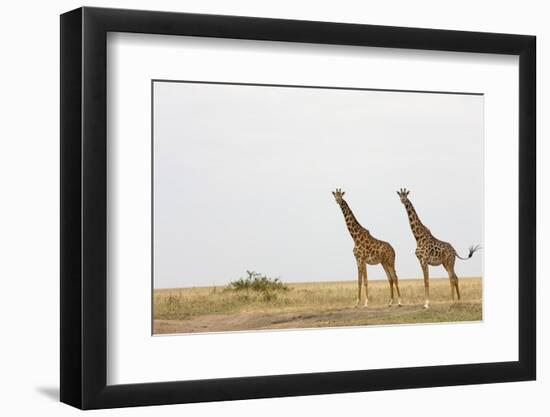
x: 261, y: 284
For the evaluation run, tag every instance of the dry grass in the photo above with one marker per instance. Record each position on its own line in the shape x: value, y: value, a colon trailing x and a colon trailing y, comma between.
x: 310, y: 305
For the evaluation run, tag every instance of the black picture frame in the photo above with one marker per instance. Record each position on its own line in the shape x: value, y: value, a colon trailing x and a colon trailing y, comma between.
x: 84, y: 207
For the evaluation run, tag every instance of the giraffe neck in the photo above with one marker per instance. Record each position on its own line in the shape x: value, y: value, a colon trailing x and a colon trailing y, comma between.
x: 417, y: 228
x: 351, y: 222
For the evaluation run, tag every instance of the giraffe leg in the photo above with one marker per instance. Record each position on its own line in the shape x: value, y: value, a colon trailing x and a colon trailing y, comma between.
x: 390, y: 281
x: 396, y: 282
x: 359, y: 282
x: 426, y: 284
x: 451, y: 282
x: 455, y: 280
x: 366, y: 282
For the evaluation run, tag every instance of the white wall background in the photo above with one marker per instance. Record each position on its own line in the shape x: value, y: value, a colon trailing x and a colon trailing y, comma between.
x: 29, y: 172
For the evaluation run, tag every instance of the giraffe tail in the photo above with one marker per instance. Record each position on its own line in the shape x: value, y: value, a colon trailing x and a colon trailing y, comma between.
x: 472, y: 249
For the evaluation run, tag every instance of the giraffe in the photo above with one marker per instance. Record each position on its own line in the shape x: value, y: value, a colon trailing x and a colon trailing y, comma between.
x: 368, y: 250
x: 431, y: 251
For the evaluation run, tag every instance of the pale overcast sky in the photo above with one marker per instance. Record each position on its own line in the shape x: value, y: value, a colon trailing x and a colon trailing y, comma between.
x: 243, y: 178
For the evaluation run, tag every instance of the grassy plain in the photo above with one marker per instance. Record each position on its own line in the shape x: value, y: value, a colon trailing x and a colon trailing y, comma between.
x: 311, y: 305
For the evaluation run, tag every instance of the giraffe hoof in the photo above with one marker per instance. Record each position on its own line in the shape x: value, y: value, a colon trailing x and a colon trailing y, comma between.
x: 390, y: 303
x: 426, y: 306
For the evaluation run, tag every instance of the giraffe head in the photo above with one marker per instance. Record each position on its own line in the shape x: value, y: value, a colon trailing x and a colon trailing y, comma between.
x: 338, y: 195
x: 403, y: 193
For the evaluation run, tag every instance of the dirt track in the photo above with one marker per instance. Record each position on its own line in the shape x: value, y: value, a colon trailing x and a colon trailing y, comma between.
x: 463, y: 311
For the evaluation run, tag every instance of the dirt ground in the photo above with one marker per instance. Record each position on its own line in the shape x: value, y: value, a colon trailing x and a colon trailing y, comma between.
x: 438, y: 312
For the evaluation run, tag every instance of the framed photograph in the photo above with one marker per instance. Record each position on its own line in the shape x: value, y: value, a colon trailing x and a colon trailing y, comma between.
x: 257, y: 208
